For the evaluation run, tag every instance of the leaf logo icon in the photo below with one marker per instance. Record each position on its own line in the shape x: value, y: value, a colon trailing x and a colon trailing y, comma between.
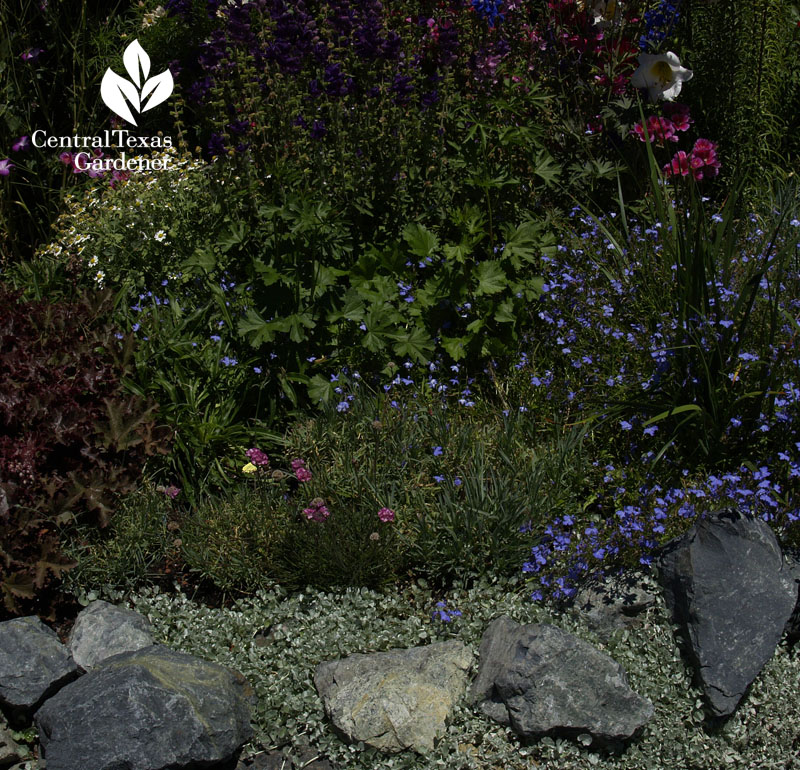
x: 118, y: 93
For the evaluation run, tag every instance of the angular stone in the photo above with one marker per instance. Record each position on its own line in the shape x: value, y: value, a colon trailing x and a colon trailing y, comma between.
x: 151, y: 709
x: 616, y: 603
x: 542, y: 681
x: 792, y: 627
x: 395, y: 700
x: 33, y: 666
x: 102, y: 630
x: 728, y: 585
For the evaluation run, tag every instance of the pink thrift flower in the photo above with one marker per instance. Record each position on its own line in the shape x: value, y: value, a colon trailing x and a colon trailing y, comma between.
x: 5, y: 166
x: 257, y: 457
x: 386, y: 514
x: 172, y: 491
x: 298, y: 463
x: 317, y: 511
x: 303, y: 475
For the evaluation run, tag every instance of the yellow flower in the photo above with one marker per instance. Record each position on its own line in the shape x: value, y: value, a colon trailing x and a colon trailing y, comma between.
x: 249, y: 468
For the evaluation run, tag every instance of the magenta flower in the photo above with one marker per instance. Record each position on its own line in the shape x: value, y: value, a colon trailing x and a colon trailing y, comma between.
x: 298, y: 463
x: 172, y: 491
x: 66, y: 158
x: 303, y: 475
x: 5, y: 166
x: 317, y: 511
x: 679, y: 115
x: 658, y: 130
x: 257, y: 457
x: 23, y: 143
x: 678, y: 165
x: 31, y: 54
x: 386, y: 514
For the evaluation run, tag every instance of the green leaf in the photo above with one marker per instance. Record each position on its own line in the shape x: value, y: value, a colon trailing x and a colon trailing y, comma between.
x: 320, y: 389
x: 297, y: 322
x: 523, y: 242
x: 236, y: 235
x: 491, y: 277
x: 505, y: 312
x: 458, y: 252
x: 415, y: 344
x: 546, y: 168
x: 421, y: 241
x: 256, y: 328
x: 455, y: 347
x: 269, y: 274
x: 670, y: 412
x: 203, y: 257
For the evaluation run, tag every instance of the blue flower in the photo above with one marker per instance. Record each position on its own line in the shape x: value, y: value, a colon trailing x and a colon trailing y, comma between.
x: 443, y: 614
x: 489, y: 10
x: 438, y: 451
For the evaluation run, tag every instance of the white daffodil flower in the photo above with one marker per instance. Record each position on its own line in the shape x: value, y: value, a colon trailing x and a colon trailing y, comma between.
x: 661, y: 74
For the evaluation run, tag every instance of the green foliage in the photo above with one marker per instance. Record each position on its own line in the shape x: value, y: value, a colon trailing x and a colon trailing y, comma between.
x: 727, y: 307
x: 138, y: 546
x: 55, y: 90
x: 211, y: 400
x: 143, y: 229
x: 277, y: 639
x: 745, y: 82
x: 72, y: 439
x: 479, y: 519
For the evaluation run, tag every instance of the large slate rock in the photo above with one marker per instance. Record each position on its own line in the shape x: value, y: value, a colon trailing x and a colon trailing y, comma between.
x: 102, y: 630
x: 151, y: 709
x: 395, y: 700
x: 542, y: 681
x: 33, y: 666
x: 792, y: 627
x: 728, y: 585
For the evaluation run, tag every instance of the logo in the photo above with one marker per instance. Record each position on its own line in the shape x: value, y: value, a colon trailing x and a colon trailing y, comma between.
x: 142, y: 94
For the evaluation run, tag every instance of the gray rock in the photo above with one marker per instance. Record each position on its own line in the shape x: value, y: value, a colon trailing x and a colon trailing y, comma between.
x: 102, y: 630
x: 729, y: 587
x: 151, y: 709
x: 619, y: 602
x: 542, y: 681
x: 33, y: 666
x: 792, y: 627
x: 395, y: 700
